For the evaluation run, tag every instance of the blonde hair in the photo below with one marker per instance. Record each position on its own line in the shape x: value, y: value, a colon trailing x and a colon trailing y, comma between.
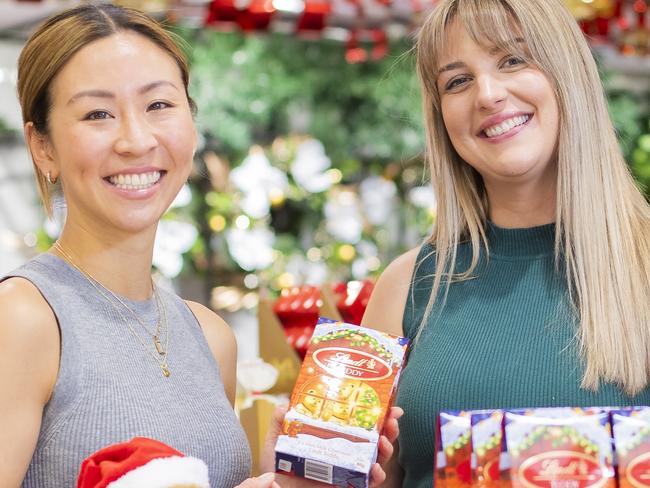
x: 53, y: 44
x: 602, y: 220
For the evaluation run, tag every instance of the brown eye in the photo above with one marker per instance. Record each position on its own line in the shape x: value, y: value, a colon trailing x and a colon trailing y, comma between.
x: 97, y: 115
x: 159, y: 105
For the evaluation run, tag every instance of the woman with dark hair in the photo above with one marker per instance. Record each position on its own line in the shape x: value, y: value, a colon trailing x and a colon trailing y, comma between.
x: 92, y: 352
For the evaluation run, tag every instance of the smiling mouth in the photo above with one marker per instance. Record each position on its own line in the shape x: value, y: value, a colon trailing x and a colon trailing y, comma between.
x: 505, y: 126
x: 140, y: 181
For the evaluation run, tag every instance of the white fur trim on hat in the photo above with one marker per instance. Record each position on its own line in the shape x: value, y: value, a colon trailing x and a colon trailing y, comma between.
x: 165, y: 472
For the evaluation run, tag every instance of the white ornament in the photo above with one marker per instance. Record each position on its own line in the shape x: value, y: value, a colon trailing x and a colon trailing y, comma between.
x: 310, y: 165
x: 173, y: 239
x: 378, y: 197
x: 251, y: 248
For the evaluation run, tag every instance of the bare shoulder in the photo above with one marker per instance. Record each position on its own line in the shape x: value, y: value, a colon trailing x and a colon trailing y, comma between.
x: 222, y: 343
x: 29, y: 364
x: 386, y: 306
x: 28, y: 328
x: 212, y: 324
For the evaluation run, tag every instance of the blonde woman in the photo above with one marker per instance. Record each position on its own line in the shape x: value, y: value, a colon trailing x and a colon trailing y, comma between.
x: 92, y: 353
x: 534, y: 286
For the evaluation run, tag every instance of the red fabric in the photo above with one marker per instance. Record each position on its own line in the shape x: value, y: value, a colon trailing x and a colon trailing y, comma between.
x: 114, y: 461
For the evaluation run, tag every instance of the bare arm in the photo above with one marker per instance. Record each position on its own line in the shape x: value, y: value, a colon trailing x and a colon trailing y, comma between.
x: 29, y: 363
x: 386, y: 306
x: 385, y: 312
x: 222, y: 344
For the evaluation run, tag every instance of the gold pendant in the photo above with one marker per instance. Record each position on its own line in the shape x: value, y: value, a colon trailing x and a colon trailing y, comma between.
x: 159, y: 347
x: 166, y: 371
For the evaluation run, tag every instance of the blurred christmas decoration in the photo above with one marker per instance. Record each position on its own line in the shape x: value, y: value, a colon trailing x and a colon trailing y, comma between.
x: 255, y: 377
x: 254, y: 406
x: 298, y: 308
x: 366, y: 28
x: 299, y: 178
x: 353, y: 299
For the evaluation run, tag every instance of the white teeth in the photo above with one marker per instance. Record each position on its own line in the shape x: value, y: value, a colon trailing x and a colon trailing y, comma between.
x: 506, y: 125
x: 135, y: 181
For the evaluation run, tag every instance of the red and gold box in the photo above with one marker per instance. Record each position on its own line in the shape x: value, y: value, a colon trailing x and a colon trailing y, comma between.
x: 339, y: 402
x: 490, y: 466
x: 560, y: 448
x: 454, y: 450
x: 632, y: 440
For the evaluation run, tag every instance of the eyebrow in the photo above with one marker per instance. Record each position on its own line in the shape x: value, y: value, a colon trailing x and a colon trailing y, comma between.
x: 107, y: 94
x: 459, y: 64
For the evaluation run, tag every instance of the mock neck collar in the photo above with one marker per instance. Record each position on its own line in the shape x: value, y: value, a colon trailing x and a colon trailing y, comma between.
x: 521, y: 242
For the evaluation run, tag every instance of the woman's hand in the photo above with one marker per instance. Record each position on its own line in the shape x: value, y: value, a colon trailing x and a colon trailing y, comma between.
x: 377, y: 474
x: 267, y: 480
x: 385, y: 449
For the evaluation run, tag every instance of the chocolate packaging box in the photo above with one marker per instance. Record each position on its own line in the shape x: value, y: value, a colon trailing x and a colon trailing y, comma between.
x: 560, y: 447
x: 346, y: 385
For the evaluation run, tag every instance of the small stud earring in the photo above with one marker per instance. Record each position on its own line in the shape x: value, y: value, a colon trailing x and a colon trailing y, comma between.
x: 50, y: 180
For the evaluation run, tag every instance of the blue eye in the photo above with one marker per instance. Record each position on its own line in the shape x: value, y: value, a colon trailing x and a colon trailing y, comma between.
x: 97, y: 115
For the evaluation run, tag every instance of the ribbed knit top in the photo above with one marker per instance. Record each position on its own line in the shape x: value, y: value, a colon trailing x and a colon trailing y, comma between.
x: 110, y: 389
x: 504, y: 339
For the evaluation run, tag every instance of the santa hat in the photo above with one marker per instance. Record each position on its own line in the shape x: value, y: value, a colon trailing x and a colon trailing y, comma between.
x: 142, y: 462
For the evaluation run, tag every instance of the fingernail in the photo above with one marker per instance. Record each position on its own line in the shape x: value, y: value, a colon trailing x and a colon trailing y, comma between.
x: 266, y: 476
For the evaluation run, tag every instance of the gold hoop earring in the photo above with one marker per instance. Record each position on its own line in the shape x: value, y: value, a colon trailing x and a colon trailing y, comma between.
x: 49, y: 178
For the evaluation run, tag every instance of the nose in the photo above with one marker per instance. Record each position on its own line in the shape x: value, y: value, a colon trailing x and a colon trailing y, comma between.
x: 492, y: 93
x: 136, y: 136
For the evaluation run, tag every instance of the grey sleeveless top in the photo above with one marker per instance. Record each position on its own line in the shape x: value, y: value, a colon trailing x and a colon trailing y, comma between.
x: 110, y: 389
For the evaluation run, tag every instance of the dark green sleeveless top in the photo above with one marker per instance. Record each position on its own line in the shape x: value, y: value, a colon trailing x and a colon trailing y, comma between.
x: 504, y: 339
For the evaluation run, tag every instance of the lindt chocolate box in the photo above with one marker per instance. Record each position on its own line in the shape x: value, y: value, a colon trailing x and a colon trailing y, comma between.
x: 339, y: 402
x: 560, y: 447
x: 454, y: 450
x: 491, y: 466
x: 632, y: 441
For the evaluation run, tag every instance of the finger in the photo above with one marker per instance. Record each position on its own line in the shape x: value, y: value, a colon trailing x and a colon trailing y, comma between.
x: 276, y: 421
x: 267, y: 461
x: 377, y: 476
x: 391, y: 429
x: 385, y: 450
x: 264, y: 481
x: 396, y: 412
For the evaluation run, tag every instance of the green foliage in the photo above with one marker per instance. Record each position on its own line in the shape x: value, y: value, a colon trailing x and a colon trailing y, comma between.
x: 250, y: 89
x: 630, y: 114
x: 6, y: 132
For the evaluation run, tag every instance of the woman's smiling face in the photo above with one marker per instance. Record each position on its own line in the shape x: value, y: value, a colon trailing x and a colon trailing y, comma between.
x: 120, y: 132
x: 500, y: 112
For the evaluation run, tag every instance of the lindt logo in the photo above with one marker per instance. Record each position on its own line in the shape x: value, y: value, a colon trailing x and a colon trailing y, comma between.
x: 348, y: 363
x: 569, y: 469
x: 638, y: 471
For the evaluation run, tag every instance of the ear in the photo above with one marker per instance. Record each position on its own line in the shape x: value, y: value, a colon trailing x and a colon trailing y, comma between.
x: 41, y: 150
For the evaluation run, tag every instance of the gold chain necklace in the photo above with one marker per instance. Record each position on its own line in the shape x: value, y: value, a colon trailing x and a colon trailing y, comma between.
x: 162, y: 352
